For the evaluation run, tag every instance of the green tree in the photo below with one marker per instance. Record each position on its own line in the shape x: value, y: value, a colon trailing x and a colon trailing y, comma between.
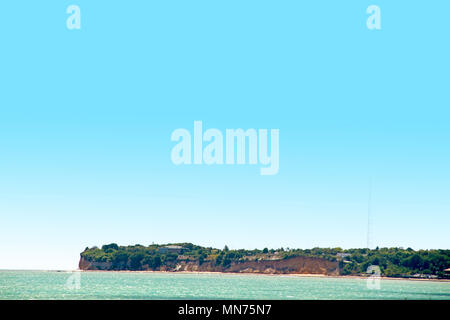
x: 219, y: 258
x: 113, y: 246
x: 157, y: 261
x: 136, y: 261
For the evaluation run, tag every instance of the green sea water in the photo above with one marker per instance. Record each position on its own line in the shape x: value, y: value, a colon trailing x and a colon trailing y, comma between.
x: 135, y: 285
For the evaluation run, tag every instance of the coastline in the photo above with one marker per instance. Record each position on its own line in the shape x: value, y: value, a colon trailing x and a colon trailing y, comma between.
x: 305, y: 275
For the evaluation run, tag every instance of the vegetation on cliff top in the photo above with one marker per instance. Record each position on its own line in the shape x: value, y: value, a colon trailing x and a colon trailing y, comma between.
x: 394, y: 262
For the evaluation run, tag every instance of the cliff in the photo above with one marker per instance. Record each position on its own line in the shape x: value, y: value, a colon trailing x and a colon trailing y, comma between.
x: 393, y: 262
x: 170, y: 259
x: 294, y: 265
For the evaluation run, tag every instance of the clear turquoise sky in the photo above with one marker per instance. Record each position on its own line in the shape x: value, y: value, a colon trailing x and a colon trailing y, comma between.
x: 86, y: 117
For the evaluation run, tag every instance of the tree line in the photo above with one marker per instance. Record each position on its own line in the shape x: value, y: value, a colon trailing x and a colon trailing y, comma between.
x: 393, y: 262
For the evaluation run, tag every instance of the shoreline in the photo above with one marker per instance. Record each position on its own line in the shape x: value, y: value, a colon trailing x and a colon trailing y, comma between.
x: 305, y: 275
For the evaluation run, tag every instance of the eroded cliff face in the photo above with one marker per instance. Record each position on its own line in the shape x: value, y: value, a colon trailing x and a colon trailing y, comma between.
x: 295, y: 265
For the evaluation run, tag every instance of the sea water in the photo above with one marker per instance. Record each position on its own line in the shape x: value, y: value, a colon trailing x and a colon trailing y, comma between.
x: 140, y: 285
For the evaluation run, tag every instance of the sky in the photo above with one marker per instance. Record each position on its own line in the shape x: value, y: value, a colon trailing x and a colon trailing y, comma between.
x: 86, y: 118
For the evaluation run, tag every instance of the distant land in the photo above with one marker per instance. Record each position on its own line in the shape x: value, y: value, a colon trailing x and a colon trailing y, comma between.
x: 393, y: 262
